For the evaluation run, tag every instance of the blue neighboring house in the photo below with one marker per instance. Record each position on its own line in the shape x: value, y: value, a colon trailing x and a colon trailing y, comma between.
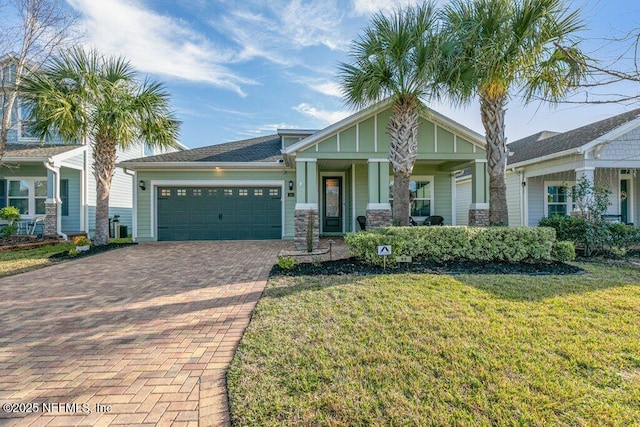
x: 53, y: 181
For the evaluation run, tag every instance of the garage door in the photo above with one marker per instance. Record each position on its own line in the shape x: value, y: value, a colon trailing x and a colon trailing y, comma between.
x: 219, y: 213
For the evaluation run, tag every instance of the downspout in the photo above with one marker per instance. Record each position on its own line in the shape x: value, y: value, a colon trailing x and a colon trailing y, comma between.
x: 55, y: 170
x: 134, y: 214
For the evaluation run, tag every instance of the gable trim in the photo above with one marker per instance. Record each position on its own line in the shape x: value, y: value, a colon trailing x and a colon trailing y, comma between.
x: 611, y: 135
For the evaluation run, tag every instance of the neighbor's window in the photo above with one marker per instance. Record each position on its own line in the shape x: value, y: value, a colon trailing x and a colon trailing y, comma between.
x: 558, y: 200
x: 25, y: 123
x: 28, y: 195
x: 421, y: 195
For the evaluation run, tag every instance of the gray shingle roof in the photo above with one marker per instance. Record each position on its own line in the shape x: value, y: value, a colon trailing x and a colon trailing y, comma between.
x: 261, y: 149
x: 37, y: 151
x: 541, y: 144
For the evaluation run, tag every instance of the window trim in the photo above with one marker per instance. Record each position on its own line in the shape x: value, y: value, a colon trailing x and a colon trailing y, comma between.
x: 32, y: 194
x: 431, y: 179
x: 568, y: 204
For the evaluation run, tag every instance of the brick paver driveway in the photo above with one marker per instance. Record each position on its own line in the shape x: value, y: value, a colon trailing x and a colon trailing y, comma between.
x: 141, y: 335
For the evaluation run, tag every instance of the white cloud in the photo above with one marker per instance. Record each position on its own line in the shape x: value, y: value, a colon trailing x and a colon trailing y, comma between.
x: 268, y: 128
x: 276, y: 30
x: 326, y: 116
x: 367, y: 7
x: 327, y: 88
x: 157, y: 44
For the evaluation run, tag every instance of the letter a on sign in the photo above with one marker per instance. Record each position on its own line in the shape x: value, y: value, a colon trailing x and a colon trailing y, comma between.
x: 384, y: 250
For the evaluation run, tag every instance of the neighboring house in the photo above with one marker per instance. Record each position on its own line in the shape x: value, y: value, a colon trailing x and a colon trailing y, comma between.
x: 53, y: 180
x: 543, y: 167
x: 271, y: 187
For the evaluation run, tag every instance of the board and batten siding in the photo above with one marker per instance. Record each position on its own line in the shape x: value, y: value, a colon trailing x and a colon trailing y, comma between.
x: 463, y: 201
x: 361, y: 189
x: 71, y: 223
x: 208, y: 178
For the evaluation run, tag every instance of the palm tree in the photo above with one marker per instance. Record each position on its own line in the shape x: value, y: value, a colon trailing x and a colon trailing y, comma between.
x: 394, y: 58
x: 499, y: 48
x: 85, y: 96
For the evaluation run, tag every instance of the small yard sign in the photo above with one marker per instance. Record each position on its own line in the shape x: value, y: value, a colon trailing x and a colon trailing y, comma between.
x: 384, y: 250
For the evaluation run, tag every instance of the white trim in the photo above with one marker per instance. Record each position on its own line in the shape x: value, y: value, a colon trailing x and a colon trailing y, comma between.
x: 585, y: 169
x: 435, y: 138
x: 353, y: 198
x: 525, y: 203
x: 306, y: 206
x: 432, y: 197
x: 203, y: 165
x: 375, y: 133
x: 455, y: 143
x: 338, y: 142
x: 134, y: 213
x: 611, y: 135
x: 154, y: 184
x: 357, y: 137
x: 377, y: 160
x: 378, y: 206
x: 544, y: 158
x: 71, y: 166
x: 444, y: 122
x: 31, y: 198
x: 545, y: 195
x: 480, y: 161
x: 321, y: 198
x: 454, y: 196
x: 479, y: 206
x: 68, y: 154
x: 304, y: 159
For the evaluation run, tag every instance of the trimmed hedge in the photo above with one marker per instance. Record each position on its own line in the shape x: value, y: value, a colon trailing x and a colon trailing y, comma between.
x: 440, y: 244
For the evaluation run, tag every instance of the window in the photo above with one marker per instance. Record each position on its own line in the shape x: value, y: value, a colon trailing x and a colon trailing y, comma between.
x: 28, y: 195
x: 257, y: 192
x: 228, y: 192
x: 421, y: 196
x: 274, y: 192
x: 243, y: 192
x: 64, y: 196
x: 181, y: 192
x: 25, y: 123
x: 197, y: 192
x: 558, y: 199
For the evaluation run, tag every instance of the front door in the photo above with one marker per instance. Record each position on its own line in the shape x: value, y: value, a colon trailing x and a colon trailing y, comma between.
x: 332, y: 204
x: 624, y: 200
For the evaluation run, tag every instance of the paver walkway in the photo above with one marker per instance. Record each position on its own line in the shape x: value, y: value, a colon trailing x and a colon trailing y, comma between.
x: 136, y: 336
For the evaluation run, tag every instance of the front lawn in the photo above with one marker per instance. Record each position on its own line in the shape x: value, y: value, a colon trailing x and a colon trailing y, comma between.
x: 419, y: 349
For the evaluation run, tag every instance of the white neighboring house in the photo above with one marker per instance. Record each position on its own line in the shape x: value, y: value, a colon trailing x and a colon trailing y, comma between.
x: 53, y: 180
x: 543, y: 167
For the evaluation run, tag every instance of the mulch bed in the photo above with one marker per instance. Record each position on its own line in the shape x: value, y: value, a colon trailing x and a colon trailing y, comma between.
x: 353, y: 266
x: 26, y: 242
x: 64, y: 255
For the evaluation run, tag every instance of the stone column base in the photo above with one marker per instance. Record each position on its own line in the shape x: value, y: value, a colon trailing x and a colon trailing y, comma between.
x: 303, y: 219
x: 377, y: 218
x: 51, y: 218
x: 478, y: 217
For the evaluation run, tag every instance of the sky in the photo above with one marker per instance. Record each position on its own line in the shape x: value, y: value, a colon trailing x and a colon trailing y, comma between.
x: 240, y: 69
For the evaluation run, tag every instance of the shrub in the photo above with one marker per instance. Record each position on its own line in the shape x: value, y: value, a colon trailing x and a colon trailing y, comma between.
x: 286, y: 262
x: 564, y: 251
x: 623, y: 236
x: 81, y: 241
x: 11, y: 214
x: 441, y: 244
x: 570, y: 228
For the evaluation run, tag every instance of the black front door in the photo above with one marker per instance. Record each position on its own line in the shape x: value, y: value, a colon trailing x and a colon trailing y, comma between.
x: 624, y: 200
x: 332, y: 203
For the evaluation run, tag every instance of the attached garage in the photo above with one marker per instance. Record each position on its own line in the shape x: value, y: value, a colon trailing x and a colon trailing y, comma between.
x: 218, y: 213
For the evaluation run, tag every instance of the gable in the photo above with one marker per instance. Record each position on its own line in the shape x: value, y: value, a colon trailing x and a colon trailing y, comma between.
x: 368, y: 135
x: 626, y: 146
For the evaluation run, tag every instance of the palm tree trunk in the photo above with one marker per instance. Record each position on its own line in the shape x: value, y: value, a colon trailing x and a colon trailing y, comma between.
x: 492, y: 111
x: 403, y: 150
x: 104, y: 160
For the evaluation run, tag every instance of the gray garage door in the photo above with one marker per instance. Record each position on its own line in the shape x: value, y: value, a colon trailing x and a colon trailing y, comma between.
x: 219, y: 213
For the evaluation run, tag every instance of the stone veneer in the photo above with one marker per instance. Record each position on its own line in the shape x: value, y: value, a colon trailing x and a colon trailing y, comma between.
x: 378, y: 218
x: 51, y: 219
x: 478, y: 217
x: 301, y: 225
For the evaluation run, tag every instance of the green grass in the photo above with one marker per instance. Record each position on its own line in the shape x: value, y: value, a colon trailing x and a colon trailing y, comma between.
x: 19, y: 261
x: 413, y: 349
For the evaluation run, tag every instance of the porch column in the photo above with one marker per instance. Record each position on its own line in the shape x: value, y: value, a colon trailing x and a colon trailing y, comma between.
x: 378, y: 211
x: 306, y: 220
x: 51, y: 204
x: 479, y: 209
x: 587, y: 172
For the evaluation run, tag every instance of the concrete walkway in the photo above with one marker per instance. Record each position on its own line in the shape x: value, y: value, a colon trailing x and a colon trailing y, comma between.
x: 136, y: 336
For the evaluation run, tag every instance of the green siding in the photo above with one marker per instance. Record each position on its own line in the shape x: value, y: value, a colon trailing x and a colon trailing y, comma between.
x: 290, y: 140
x: 426, y: 138
x: 464, y: 146
x: 361, y: 189
x: 348, y: 140
x: 24, y: 171
x: 442, y: 196
x: 367, y: 135
x: 329, y: 145
x: 445, y: 141
x: 209, y: 178
x: 383, y: 138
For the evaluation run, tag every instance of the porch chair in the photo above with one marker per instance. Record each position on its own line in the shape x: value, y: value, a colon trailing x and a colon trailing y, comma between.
x: 434, y: 220
x: 362, y: 221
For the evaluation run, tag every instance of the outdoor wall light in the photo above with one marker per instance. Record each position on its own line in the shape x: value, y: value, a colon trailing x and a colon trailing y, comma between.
x: 290, y: 185
x: 142, y: 185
